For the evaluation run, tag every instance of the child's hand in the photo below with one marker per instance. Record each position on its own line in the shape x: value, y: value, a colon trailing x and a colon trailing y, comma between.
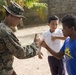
x: 53, y: 38
x: 40, y: 55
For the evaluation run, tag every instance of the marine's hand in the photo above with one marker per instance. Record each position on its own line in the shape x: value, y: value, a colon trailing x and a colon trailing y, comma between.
x: 37, y: 39
x: 40, y: 55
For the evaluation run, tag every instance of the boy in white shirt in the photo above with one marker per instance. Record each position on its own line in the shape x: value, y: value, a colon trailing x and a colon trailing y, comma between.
x: 52, y: 38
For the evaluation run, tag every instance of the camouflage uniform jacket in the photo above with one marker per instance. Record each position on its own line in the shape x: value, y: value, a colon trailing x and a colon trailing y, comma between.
x: 10, y: 46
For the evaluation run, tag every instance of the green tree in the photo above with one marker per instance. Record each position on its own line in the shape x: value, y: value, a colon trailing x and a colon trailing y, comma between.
x: 2, y: 2
x: 40, y: 8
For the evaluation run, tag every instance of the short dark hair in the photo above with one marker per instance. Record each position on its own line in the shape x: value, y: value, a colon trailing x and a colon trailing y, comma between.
x: 53, y: 17
x: 69, y: 20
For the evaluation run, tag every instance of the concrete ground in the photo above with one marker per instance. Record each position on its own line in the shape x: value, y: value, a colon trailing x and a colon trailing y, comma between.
x: 34, y: 65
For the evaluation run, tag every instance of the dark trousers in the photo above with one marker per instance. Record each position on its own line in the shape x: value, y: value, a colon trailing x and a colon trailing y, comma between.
x: 56, y: 66
x: 14, y: 73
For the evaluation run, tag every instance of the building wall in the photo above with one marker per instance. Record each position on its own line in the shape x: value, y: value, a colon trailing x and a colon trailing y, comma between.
x: 61, y: 7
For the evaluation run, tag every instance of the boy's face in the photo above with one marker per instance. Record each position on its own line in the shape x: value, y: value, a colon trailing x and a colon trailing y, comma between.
x: 67, y: 31
x: 53, y: 25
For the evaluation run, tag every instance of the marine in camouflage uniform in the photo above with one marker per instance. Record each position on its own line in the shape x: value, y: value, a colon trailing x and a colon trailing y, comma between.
x: 10, y: 46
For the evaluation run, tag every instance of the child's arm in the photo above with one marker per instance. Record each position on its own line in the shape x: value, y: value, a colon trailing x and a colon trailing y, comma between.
x: 57, y: 37
x: 58, y: 55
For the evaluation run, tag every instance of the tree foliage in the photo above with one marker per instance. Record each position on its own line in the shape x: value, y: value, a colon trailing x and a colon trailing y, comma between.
x: 40, y: 8
x: 2, y: 2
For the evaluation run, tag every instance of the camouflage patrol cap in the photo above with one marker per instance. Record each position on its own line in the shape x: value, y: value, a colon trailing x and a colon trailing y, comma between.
x: 14, y: 9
